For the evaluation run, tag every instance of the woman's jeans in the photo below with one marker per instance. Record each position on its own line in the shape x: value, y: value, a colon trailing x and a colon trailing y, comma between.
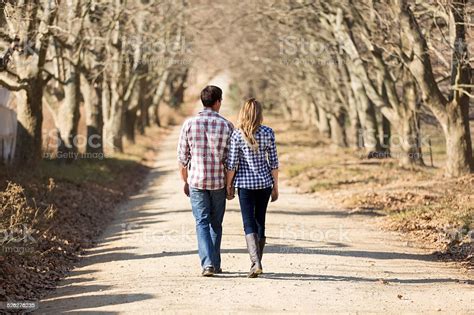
x: 208, y: 210
x: 253, y: 206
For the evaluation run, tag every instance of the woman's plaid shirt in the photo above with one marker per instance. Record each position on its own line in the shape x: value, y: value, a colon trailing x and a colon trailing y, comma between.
x: 254, y: 168
x: 202, y: 148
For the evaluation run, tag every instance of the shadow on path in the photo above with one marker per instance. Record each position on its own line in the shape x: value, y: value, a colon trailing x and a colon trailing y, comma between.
x: 92, y: 302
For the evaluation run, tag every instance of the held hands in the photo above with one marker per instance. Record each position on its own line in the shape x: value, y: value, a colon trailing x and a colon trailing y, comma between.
x: 275, y: 194
x: 230, y: 192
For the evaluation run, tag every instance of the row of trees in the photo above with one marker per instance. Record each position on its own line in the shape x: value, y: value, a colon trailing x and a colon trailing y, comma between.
x: 365, y: 72
x: 119, y: 58
x: 362, y: 71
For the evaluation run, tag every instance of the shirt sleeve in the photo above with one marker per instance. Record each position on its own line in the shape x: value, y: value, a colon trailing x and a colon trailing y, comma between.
x: 184, y: 152
x: 230, y: 129
x: 272, y: 152
x: 233, y: 153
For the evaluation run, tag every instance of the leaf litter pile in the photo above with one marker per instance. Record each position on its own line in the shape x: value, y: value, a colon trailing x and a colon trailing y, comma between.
x: 47, y: 220
x: 430, y: 209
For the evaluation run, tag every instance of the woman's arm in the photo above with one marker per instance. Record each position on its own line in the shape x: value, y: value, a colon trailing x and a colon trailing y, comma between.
x: 275, y: 192
x: 274, y: 164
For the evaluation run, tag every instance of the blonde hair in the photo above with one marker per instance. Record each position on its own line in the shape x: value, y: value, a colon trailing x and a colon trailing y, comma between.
x: 250, y: 119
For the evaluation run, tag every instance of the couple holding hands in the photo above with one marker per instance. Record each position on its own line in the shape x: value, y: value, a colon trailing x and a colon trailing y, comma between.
x: 216, y: 159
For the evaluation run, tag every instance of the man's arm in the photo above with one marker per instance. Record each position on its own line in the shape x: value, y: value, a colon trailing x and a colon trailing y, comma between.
x: 230, y: 190
x: 184, y: 157
x: 231, y: 165
x: 183, y: 171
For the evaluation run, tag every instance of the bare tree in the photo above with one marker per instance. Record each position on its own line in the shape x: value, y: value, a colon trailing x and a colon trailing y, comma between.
x: 452, y: 111
x: 28, y: 24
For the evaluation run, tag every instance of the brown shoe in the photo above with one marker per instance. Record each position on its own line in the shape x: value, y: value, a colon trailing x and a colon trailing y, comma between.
x: 208, y: 271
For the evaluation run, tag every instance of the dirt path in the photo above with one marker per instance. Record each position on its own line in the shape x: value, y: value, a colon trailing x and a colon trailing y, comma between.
x: 318, y: 259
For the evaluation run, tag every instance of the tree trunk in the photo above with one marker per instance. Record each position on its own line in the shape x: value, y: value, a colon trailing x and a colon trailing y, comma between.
x: 92, y: 94
x: 68, y: 119
x: 306, y: 116
x: 112, y: 138
x: 129, y: 124
x: 409, y: 129
x: 407, y: 140
x: 30, y: 120
x: 386, y: 135
x: 113, y: 120
x: 287, y: 113
x: 323, y: 124
x: 131, y: 113
x: 338, y: 135
x: 313, y: 114
x: 366, y: 112
x: 354, y: 127
x: 459, y: 160
x: 177, y: 88
x: 145, y: 101
x: 369, y: 135
x: 158, y: 96
x: 452, y: 113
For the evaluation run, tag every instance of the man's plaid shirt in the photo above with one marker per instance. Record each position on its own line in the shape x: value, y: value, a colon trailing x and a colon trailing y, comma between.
x: 202, y: 148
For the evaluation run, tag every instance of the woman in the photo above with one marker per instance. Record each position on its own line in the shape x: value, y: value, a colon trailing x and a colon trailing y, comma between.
x: 253, y: 168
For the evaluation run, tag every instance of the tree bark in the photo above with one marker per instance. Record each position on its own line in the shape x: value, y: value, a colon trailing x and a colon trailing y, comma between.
x: 386, y: 133
x: 158, y: 96
x: 323, y: 124
x: 129, y: 124
x: 115, y: 86
x: 338, y: 135
x: 92, y: 94
x: 143, y: 119
x: 31, y: 28
x: 306, y: 116
x: 68, y: 118
x: 30, y: 120
x: 113, y: 119
x: 458, y: 144
x: 368, y: 135
x: 131, y: 112
x: 452, y: 113
x: 313, y: 113
x: 354, y: 128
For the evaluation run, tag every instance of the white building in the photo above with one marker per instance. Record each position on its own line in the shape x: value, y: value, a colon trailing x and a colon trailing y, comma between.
x: 8, y: 128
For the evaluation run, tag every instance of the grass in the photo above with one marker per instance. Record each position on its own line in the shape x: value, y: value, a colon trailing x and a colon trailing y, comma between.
x: 86, y: 170
x: 105, y: 171
x: 296, y: 169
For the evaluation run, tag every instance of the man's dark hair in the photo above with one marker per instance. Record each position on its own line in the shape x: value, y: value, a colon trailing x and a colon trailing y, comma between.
x: 210, y: 95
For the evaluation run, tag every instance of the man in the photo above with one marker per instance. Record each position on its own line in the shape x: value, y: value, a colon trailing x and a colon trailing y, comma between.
x: 202, y: 153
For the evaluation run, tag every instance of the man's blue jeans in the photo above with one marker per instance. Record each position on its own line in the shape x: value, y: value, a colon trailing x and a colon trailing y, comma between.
x: 208, y: 210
